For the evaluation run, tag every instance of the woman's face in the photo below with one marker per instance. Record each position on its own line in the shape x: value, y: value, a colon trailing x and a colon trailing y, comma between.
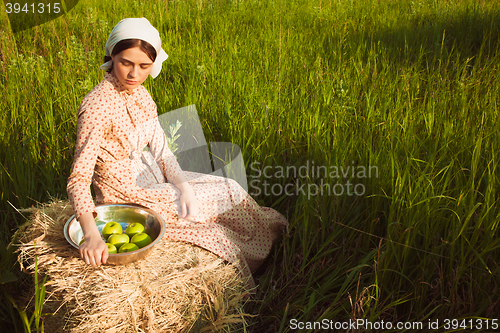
x: 131, y: 67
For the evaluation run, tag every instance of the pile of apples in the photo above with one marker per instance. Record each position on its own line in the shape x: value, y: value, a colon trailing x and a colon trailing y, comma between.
x: 118, y: 241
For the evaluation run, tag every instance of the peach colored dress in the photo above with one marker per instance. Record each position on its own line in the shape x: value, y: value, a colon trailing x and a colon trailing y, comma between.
x: 114, y: 127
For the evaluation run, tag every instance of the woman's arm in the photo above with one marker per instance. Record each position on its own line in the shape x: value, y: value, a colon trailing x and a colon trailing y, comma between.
x: 173, y: 172
x: 93, y: 121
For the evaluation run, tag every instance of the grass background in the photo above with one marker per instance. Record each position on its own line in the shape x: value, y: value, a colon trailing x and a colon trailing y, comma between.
x: 409, y: 87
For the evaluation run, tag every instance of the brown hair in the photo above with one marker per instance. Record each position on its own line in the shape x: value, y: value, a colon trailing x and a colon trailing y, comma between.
x: 131, y: 43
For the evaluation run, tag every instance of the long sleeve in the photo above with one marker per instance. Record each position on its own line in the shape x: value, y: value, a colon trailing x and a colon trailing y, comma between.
x: 93, y: 123
x: 162, y: 153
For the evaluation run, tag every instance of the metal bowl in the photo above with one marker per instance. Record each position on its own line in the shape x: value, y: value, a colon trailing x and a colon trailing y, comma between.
x: 125, y: 214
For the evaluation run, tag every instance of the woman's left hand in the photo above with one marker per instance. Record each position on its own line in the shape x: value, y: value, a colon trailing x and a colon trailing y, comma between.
x: 189, y: 203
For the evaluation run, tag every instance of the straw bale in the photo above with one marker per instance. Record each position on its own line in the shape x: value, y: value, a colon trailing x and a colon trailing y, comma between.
x: 178, y: 287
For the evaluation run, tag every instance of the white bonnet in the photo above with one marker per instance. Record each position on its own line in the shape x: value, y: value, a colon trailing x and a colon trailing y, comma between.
x: 137, y: 28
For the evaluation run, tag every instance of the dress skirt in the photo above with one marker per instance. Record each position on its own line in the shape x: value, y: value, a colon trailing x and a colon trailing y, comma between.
x: 230, y: 223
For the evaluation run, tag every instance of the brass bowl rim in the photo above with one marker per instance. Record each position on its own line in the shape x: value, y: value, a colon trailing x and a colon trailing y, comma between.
x: 128, y: 205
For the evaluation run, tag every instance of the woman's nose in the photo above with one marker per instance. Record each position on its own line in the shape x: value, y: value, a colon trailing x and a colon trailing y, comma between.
x: 133, y: 72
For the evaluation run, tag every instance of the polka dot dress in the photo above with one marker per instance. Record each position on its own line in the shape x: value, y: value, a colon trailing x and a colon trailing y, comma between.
x: 114, y: 127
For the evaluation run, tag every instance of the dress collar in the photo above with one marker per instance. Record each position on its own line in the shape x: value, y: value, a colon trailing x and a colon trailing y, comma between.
x: 117, y: 84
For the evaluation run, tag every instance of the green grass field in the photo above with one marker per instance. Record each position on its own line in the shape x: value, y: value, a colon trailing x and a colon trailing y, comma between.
x: 407, y: 89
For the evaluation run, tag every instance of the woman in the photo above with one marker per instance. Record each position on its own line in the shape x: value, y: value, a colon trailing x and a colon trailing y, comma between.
x: 116, y: 121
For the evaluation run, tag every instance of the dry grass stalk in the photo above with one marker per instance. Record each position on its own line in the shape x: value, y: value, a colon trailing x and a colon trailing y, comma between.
x: 176, y: 288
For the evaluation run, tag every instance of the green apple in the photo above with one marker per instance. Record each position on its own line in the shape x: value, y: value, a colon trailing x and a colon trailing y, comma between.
x: 118, y: 240
x: 111, y: 228
x: 141, y: 240
x: 128, y: 247
x: 107, y: 239
x: 134, y: 229
x: 111, y: 248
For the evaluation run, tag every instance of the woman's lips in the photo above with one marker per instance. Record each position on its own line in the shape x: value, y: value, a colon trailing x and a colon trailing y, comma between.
x: 131, y: 82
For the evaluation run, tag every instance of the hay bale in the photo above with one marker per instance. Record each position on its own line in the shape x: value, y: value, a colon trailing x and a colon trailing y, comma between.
x: 178, y: 287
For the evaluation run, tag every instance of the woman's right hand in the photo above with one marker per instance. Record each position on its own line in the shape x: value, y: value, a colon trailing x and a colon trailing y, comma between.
x: 93, y: 251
